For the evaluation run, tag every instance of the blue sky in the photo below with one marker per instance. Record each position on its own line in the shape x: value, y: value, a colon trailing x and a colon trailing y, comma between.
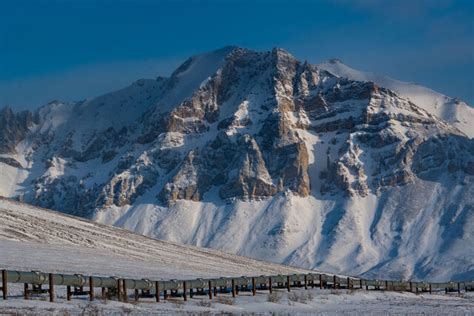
x: 71, y: 49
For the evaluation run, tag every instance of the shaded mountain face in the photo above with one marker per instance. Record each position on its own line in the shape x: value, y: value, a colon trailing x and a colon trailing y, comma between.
x: 235, y: 134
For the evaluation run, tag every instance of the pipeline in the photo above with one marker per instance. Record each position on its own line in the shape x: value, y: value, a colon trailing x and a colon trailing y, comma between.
x: 113, y: 284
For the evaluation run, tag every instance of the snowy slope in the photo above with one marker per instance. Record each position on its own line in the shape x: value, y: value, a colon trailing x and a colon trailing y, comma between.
x: 37, y: 239
x: 358, y: 237
x: 451, y: 110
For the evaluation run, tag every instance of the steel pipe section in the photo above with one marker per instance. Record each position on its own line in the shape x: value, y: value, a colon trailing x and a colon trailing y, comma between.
x: 312, y: 277
x: 222, y: 282
x: 278, y: 278
x: 134, y: 284
x: 297, y: 278
x: 198, y: 283
x: 107, y: 282
x: 170, y: 285
x: 243, y: 281
x: 261, y: 279
x: 33, y: 277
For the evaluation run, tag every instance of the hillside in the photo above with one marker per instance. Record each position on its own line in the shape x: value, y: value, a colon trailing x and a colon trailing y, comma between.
x: 35, y: 239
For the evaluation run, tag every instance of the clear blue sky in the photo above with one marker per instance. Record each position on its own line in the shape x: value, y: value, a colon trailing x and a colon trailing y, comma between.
x: 73, y: 49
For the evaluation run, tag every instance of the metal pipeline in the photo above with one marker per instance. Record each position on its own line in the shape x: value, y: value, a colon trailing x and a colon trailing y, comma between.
x: 243, y: 281
x: 171, y: 285
x: 142, y: 284
x: 296, y: 278
x: 37, y: 278
x: 33, y: 277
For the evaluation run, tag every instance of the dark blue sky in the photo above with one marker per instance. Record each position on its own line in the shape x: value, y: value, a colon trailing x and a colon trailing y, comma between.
x: 73, y: 49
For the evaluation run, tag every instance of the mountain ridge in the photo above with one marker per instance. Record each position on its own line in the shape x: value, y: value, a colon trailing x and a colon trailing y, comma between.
x: 452, y: 110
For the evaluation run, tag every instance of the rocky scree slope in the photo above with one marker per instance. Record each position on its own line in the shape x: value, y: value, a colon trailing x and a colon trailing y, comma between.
x: 262, y: 155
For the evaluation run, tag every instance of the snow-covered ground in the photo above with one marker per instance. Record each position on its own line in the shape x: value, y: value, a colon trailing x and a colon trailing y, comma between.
x: 280, y: 302
x: 335, y: 235
x: 36, y: 239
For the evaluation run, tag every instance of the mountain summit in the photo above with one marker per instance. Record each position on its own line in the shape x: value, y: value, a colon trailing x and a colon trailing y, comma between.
x: 260, y: 154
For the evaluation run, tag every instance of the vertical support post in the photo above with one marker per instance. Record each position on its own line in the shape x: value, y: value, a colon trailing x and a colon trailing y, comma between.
x: 210, y: 289
x: 124, y: 291
x: 386, y: 285
x: 104, y: 294
x: 4, y: 284
x: 320, y: 281
x: 215, y: 291
x: 459, y: 288
x: 26, y: 291
x: 416, y: 288
x: 119, y: 290
x: 91, y: 288
x: 51, y: 287
x: 184, y: 291
x: 165, y: 294
x: 288, y: 285
x: 233, y: 287
x: 305, y: 282
x: 137, y: 295
x: 191, y: 293
x: 270, y: 284
x: 430, y: 288
x: 348, y: 283
x: 157, y: 293
x: 68, y: 292
x: 411, y: 287
x: 254, y: 287
x: 366, y: 285
x: 334, y: 282
x: 360, y: 281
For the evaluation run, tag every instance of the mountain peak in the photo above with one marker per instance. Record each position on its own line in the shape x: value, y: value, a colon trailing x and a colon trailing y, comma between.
x: 280, y: 52
x: 335, y: 61
x: 433, y: 102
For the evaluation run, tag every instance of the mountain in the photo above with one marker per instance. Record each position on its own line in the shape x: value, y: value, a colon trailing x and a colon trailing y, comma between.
x: 262, y: 155
x: 451, y: 110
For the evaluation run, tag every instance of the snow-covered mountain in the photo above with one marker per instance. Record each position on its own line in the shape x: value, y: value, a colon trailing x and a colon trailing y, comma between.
x: 451, y: 110
x: 261, y: 155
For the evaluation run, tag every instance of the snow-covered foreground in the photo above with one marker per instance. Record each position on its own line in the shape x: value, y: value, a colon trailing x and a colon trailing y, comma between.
x: 280, y: 302
x: 36, y: 239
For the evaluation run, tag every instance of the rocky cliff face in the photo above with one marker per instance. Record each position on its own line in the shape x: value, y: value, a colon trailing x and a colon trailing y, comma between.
x: 236, y: 126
